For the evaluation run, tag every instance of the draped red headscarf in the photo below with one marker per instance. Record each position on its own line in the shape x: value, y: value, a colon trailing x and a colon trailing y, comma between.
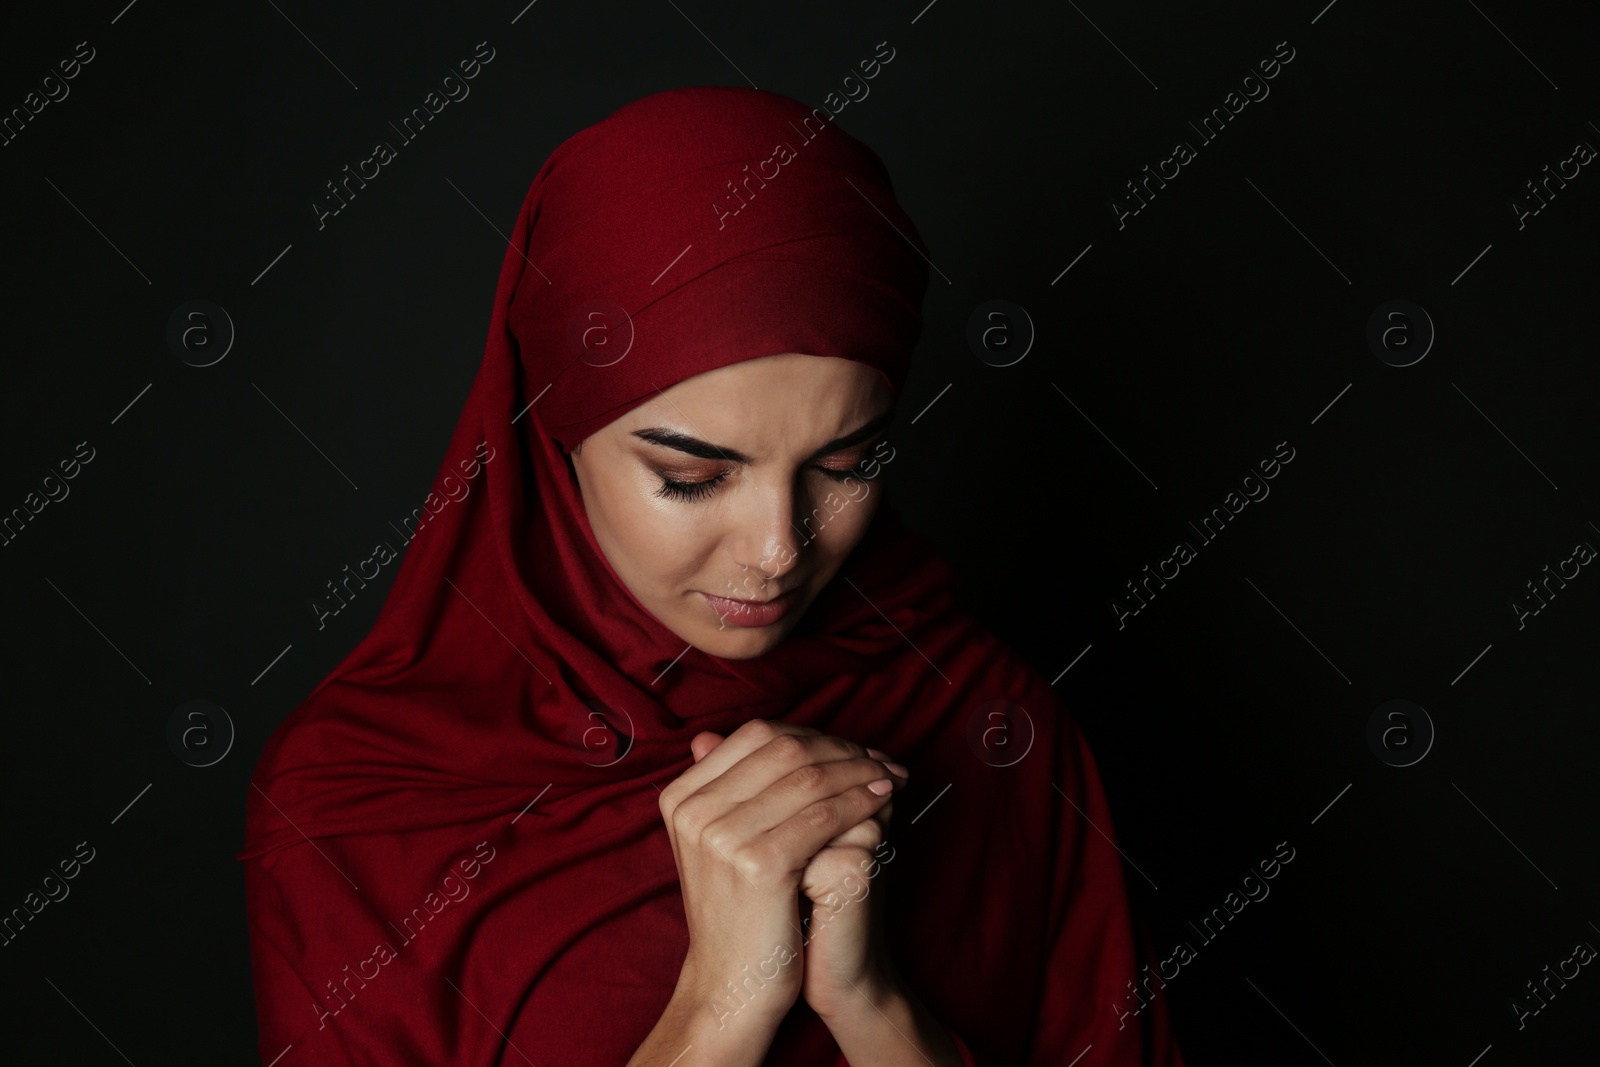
x: 454, y: 852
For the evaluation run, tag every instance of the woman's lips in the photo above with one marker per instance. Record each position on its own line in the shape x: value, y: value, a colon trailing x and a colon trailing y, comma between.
x: 752, y: 612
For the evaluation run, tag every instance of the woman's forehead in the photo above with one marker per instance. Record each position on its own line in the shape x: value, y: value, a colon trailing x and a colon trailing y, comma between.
x: 767, y: 400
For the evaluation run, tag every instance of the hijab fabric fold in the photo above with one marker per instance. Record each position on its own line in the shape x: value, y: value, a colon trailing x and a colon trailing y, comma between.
x: 453, y: 849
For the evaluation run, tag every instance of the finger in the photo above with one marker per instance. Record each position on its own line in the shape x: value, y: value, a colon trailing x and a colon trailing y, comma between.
x: 844, y: 872
x: 703, y: 743
x: 799, y: 838
x: 860, y: 832
x: 864, y: 834
x: 883, y: 757
x: 790, y: 772
x: 746, y: 739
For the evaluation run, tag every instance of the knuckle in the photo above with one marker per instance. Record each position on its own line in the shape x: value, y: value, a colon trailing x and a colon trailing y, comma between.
x: 719, y: 839
x: 787, y: 748
x: 823, y: 817
x: 753, y: 863
x: 856, y: 751
x: 758, y: 730
x: 830, y: 865
x: 684, y: 815
x: 809, y: 778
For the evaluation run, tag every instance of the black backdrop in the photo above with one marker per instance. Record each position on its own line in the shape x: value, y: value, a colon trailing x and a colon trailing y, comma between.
x: 1176, y: 348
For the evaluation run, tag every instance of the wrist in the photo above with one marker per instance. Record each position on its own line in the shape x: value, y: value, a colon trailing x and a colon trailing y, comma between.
x: 690, y: 1022
x: 744, y: 998
x: 872, y: 996
x: 888, y: 1025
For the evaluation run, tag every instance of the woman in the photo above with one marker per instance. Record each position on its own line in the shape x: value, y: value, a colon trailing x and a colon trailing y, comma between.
x: 611, y: 779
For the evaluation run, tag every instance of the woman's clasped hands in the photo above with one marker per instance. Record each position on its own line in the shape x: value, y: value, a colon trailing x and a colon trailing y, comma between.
x: 767, y: 815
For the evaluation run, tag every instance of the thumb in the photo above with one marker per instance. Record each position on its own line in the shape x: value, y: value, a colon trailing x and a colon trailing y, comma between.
x: 703, y: 743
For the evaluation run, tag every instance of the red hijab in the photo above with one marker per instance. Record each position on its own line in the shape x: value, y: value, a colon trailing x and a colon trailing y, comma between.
x: 453, y: 845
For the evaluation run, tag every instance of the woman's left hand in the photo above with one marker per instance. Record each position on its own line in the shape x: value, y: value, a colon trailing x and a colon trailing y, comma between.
x: 846, y: 959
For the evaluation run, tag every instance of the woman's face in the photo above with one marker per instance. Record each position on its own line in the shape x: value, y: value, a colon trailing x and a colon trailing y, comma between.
x: 735, y: 487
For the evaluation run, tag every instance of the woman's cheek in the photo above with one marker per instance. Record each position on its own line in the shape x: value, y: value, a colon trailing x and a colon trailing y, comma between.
x: 850, y: 524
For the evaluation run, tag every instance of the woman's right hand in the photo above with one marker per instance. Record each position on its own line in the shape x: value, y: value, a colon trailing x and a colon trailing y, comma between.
x: 744, y: 821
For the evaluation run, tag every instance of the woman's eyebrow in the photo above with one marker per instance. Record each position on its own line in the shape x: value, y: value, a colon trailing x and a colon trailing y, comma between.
x: 682, y: 442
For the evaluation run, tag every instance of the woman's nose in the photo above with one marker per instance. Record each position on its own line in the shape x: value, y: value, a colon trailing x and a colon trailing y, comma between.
x: 767, y: 540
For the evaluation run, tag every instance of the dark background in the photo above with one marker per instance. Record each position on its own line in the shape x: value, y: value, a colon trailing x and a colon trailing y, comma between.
x: 1175, y: 354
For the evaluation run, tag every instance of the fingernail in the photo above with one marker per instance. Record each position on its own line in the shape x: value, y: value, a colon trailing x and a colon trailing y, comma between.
x: 882, y: 786
x: 877, y: 754
x: 898, y: 768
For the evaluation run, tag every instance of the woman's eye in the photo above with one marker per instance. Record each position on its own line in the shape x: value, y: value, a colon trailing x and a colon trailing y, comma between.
x: 841, y: 474
x: 679, y: 490
x: 688, y: 490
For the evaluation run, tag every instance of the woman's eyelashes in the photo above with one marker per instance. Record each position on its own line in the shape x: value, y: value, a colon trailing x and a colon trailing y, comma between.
x: 681, y: 490
x: 688, y: 490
